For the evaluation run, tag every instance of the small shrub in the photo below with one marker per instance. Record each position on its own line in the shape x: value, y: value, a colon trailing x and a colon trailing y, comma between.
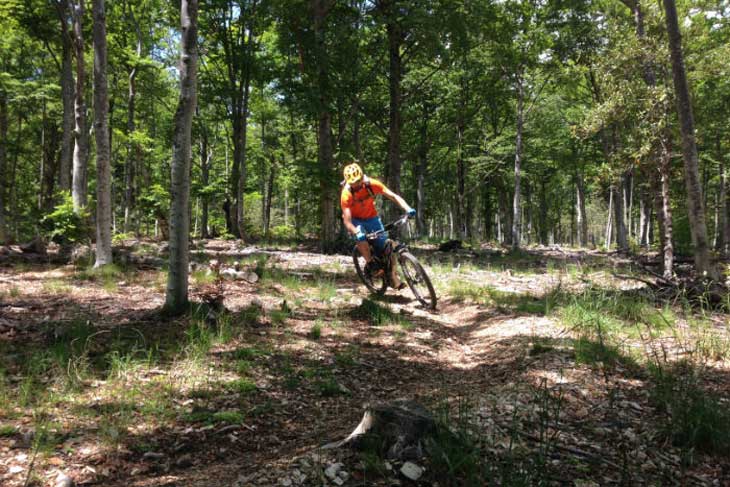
x: 283, y: 232
x: 316, y: 332
x: 63, y: 225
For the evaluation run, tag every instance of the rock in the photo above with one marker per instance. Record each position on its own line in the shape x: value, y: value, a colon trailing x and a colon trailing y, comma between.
x: 64, y: 480
x: 285, y: 482
x: 411, y: 471
x: 332, y: 470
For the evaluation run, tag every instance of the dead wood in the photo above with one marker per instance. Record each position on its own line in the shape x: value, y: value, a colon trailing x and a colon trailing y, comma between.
x: 396, y: 430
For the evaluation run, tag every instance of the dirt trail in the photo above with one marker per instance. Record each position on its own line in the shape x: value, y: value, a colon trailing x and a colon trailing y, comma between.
x: 511, y: 362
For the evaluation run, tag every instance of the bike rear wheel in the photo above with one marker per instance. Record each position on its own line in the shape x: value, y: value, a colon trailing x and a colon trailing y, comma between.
x: 374, y: 284
x: 418, y: 280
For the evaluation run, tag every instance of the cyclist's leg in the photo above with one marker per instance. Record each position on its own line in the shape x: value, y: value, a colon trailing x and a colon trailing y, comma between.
x: 363, y: 247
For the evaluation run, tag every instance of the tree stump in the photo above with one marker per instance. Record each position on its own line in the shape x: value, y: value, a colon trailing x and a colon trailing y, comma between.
x: 395, y: 431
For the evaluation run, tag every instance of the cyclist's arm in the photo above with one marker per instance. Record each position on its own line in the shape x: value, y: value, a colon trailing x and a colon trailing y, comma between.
x: 396, y: 199
x: 347, y: 219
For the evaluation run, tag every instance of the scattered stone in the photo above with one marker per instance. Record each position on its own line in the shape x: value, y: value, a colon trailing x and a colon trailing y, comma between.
x: 411, y: 471
x: 285, y: 482
x: 64, y: 480
x: 153, y: 456
x: 332, y: 470
x: 184, y: 461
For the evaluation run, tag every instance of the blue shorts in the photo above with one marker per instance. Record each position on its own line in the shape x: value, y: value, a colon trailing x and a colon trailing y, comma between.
x: 372, y: 225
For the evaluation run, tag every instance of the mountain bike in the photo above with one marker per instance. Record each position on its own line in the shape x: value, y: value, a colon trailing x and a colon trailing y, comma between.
x: 415, y: 276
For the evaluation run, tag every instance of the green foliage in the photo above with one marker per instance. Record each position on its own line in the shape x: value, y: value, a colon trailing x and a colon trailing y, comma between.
x: 63, y: 225
x: 283, y: 232
x: 697, y: 420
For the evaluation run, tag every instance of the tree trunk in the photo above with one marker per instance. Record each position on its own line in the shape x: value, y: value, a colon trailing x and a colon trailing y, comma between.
x: 622, y: 241
x: 644, y: 218
x: 177, y: 277
x: 607, y: 240
x: 242, y: 134
x: 582, y: 220
x: 627, y: 193
x: 81, y: 135
x: 695, y: 208
x: 129, y: 166
x: 395, y: 39
x: 543, y: 213
x: 101, y: 133
x: 516, y: 218
x: 723, y: 241
x: 269, y: 196
x: 421, y: 168
x: 3, y: 163
x: 488, y: 217
x: 664, y: 208
x: 206, y: 156
x: 460, y: 215
x: 324, y: 131
x: 67, y: 98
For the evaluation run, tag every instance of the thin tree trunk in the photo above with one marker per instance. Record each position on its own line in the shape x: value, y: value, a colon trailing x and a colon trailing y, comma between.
x: 206, y: 156
x: 644, y: 218
x: 242, y: 169
x: 177, y: 277
x: 269, y: 197
x: 12, y: 179
x: 723, y: 241
x: 622, y: 242
x: 67, y: 98
x: 421, y: 168
x: 488, y: 218
x: 101, y: 133
x: 516, y: 218
x: 460, y: 210
x: 664, y: 208
x: 695, y: 209
x: 395, y: 39
x: 543, y: 212
x: 328, y: 229
x: 581, y: 210
x: 607, y: 240
x: 81, y: 147
x: 129, y: 169
x: 3, y: 163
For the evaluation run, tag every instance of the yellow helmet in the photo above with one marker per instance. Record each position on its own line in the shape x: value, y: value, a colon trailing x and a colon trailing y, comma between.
x: 353, y: 173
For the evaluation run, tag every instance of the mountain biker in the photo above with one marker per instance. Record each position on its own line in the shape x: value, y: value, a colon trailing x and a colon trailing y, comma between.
x: 357, y: 200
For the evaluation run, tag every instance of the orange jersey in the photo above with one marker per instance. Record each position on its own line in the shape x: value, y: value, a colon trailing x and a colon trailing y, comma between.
x: 362, y: 203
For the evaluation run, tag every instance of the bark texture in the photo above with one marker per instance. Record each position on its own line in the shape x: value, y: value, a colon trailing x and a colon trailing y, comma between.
x: 516, y: 202
x: 695, y: 208
x: 101, y: 133
x: 177, y: 278
x: 328, y: 230
x: 3, y: 163
x: 67, y: 98
x: 81, y: 134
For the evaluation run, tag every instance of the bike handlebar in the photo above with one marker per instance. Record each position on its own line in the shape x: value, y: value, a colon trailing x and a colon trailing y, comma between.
x: 390, y: 226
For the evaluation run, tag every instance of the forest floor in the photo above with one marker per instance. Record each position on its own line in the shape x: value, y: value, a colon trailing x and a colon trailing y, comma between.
x: 546, y: 366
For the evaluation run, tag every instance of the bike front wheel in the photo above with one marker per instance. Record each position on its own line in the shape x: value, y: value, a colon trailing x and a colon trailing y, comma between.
x: 418, y: 280
x: 375, y: 284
